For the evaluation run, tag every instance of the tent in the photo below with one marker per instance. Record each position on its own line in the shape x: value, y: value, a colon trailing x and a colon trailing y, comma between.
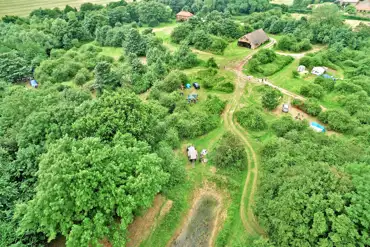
x: 196, y: 85
x: 318, y: 70
x: 34, y: 83
x: 301, y: 68
x: 188, y: 86
x: 317, y: 127
x: 326, y: 76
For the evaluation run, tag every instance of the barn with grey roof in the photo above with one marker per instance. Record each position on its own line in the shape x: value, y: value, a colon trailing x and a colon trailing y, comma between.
x: 254, y: 39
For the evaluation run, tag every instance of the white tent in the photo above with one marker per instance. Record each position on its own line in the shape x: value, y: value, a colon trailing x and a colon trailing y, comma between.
x: 301, y: 68
x: 318, y: 71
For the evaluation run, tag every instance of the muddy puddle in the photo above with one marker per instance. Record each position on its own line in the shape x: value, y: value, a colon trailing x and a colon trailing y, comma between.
x: 198, y: 230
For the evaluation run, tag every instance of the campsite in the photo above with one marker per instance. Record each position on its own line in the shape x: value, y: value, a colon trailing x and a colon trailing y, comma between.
x: 184, y: 123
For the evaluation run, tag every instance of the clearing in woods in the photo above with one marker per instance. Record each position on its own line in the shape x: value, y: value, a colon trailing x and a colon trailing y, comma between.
x: 24, y: 7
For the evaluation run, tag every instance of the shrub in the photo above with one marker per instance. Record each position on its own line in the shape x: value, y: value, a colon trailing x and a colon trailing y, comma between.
x: 230, y: 152
x: 338, y: 120
x: 327, y: 84
x: 251, y: 117
x: 211, y: 63
x: 226, y: 87
x: 286, y: 124
x: 214, y: 105
x: 82, y: 76
x: 312, y: 90
x: 270, y: 98
x: 310, y: 106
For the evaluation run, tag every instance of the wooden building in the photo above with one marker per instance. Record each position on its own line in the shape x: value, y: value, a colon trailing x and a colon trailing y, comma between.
x: 183, y: 15
x: 254, y: 39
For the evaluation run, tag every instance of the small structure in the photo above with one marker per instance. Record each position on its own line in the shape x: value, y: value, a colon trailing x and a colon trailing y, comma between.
x: 363, y: 6
x: 318, y: 71
x: 192, y: 98
x: 326, y: 76
x: 183, y: 15
x: 348, y: 2
x: 188, y: 86
x: 254, y: 39
x: 196, y: 85
x: 34, y: 83
x: 301, y: 68
x: 317, y: 127
x: 192, y: 154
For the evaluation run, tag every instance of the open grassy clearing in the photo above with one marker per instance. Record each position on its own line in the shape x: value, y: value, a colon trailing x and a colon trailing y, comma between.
x: 286, y: 2
x: 24, y: 7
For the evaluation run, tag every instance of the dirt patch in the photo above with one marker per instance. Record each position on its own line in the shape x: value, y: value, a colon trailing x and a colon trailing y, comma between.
x: 143, y: 60
x: 213, y: 169
x: 195, y: 232
x: 141, y: 227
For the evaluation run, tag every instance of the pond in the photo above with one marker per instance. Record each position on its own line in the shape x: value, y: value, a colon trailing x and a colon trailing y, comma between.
x: 198, y: 230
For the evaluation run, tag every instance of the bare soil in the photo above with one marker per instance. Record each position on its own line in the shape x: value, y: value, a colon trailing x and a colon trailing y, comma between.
x: 141, y: 227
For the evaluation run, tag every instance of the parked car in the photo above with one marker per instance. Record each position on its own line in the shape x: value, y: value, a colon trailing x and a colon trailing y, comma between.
x: 196, y: 85
x: 285, y: 108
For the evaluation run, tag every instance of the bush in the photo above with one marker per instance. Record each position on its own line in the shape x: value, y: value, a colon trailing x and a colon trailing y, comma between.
x: 214, y: 105
x: 310, y: 106
x: 271, y: 98
x: 327, y: 84
x: 251, y: 117
x: 173, y: 81
x: 287, y: 124
x: 230, y: 152
x: 339, y: 121
x: 211, y: 63
x: 226, y: 87
x: 81, y: 77
x: 312, y: 90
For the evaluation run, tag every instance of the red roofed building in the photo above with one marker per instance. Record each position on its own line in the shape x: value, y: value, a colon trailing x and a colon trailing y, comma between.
x: 183, y: 15
x: 363, y: 6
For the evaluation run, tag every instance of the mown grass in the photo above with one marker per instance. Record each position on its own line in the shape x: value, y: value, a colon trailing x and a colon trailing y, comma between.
x: 24, y: 7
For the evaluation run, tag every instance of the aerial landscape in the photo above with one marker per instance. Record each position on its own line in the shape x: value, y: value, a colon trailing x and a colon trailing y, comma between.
x: 185, y: 123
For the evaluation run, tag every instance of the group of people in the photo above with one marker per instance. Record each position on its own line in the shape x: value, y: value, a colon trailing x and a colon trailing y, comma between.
x: 193, y: 155
x: 299, y: 116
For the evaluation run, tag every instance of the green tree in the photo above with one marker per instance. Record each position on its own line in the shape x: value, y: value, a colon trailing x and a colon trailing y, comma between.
x: 271, y: 98
x: 251, y: 118
x: 134, y: 43
x: 13, y: 67
x: 73, y: 179
x: 230, y: 152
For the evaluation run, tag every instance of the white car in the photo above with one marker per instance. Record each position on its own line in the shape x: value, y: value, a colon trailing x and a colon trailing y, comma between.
x: 285, y: 108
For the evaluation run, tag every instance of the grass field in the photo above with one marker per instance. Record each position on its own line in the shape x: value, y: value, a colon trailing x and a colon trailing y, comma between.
x: 24, y: 7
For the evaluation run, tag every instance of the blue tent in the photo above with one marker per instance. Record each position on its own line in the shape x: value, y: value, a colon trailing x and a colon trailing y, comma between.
x: 34, y: 83
x: 188, y: 85
x: 317, y: 127
x: 326, y: 76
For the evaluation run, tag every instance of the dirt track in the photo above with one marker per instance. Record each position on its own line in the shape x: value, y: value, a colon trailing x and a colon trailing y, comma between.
x: 246, y: 213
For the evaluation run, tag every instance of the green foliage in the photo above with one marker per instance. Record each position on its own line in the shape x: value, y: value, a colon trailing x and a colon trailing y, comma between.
x: 214, y: 105
x: 134, y: 43
x: 290, y: 43
x: 211, y: 79
x: 230, y: 153
x: 267, y: 62
x: 311, y: 106
x: 82, y: 76
x: 327, y: 84
x: 251, y: 118
x: 13, y: 67
x: 211, y: 63
x: 339, y: 121
x: 270, y: 98
x: 183, y: 58
x: 73, y: 178
x: 286, y: 124
x: 152, y: 13
x: 173, y: 81
x: 312, y: 90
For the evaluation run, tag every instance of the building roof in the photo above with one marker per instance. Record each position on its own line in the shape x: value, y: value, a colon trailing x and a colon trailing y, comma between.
x: 256, y: 37
x: 348, y: 1
x: 363, y: 5
x: 185, y: 13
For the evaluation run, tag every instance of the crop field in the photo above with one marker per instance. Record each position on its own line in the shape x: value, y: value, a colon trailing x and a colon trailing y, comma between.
x: 24, y: 7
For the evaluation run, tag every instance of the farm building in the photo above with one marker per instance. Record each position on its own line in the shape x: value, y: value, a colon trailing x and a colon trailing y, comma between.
x: 318, y: 71
x: 363, y: 6
x: 348, y: 2
x: 254, y: 39
x: 301, y: 68
x: 34, y: 83
x: 183, y: 16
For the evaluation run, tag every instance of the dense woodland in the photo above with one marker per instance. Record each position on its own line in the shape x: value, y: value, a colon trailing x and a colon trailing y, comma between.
x: 81, y: 155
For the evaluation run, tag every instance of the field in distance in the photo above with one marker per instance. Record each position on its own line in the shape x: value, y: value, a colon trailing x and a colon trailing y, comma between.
x: 24, y: 7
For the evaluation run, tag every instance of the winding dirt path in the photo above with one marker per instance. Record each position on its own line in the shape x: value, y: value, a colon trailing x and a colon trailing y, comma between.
x: 246, y: 213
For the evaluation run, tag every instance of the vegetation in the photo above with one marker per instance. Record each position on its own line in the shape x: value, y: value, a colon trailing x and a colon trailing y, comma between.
x: 266, y: 62
x: 270, y: 98
x: 251, y: 118
x: 230, y: 152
